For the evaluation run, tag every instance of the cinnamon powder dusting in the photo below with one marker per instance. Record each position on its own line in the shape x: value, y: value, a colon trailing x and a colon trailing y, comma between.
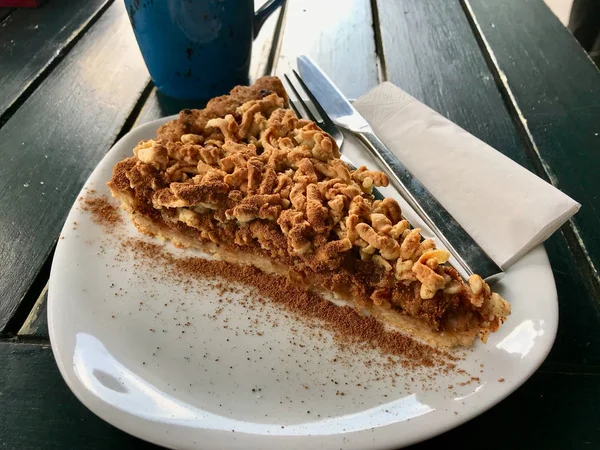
x: 102, y: 211
x: 349, y: 328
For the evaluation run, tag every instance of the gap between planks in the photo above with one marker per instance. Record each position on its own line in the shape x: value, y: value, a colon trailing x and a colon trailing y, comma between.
x: 135, y: 112
x: 28, y: 327
x: 277, y: 41
x: 379, y: 53
x: 31, y: 298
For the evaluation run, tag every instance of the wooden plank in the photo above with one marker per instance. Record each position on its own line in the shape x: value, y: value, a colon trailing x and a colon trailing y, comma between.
x: 51, y: 144
x: 36, y: 324
x: 35, y: 39
x: 39, y: 411
x: 158, y: 105
x: 555, y: 89
x: 338, y: 35
x: 429, y: 50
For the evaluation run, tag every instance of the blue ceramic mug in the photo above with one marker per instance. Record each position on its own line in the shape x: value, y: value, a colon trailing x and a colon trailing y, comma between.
x: 197, y: 49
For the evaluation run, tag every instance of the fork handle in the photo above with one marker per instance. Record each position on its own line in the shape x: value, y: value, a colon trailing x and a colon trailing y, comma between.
x: 469, y: 255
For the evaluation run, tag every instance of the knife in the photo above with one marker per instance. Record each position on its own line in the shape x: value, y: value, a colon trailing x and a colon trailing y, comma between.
x: 470, y: 256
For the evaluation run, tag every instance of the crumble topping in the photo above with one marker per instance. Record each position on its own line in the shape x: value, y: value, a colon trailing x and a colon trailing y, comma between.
x: 267, y: 177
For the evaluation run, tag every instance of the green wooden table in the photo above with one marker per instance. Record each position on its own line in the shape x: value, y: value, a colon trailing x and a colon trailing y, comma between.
x: 72, y: 81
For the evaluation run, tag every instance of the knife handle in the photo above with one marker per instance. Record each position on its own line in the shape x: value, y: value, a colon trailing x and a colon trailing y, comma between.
x: 469, y: 255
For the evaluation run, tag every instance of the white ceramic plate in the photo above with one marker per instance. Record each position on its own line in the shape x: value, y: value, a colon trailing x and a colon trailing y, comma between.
x: 214, y: 375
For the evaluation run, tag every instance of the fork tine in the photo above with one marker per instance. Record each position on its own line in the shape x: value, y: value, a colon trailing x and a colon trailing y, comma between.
x: 298, y: 102
x: 325, y: 118
x: 304, y: 111
x: 292, y: 97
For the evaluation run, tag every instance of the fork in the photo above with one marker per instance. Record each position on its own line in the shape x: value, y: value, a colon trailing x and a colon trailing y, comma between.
x: 468, y: 247
x: 303, y: 111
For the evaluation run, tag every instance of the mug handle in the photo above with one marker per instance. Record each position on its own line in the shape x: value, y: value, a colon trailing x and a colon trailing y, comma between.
x: 264, y: 12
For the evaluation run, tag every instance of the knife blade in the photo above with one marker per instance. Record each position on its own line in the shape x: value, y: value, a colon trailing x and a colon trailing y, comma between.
x: 469, y: 255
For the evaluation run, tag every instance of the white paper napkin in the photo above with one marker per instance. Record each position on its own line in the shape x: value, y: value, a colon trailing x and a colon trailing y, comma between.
x: 504, y: 207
